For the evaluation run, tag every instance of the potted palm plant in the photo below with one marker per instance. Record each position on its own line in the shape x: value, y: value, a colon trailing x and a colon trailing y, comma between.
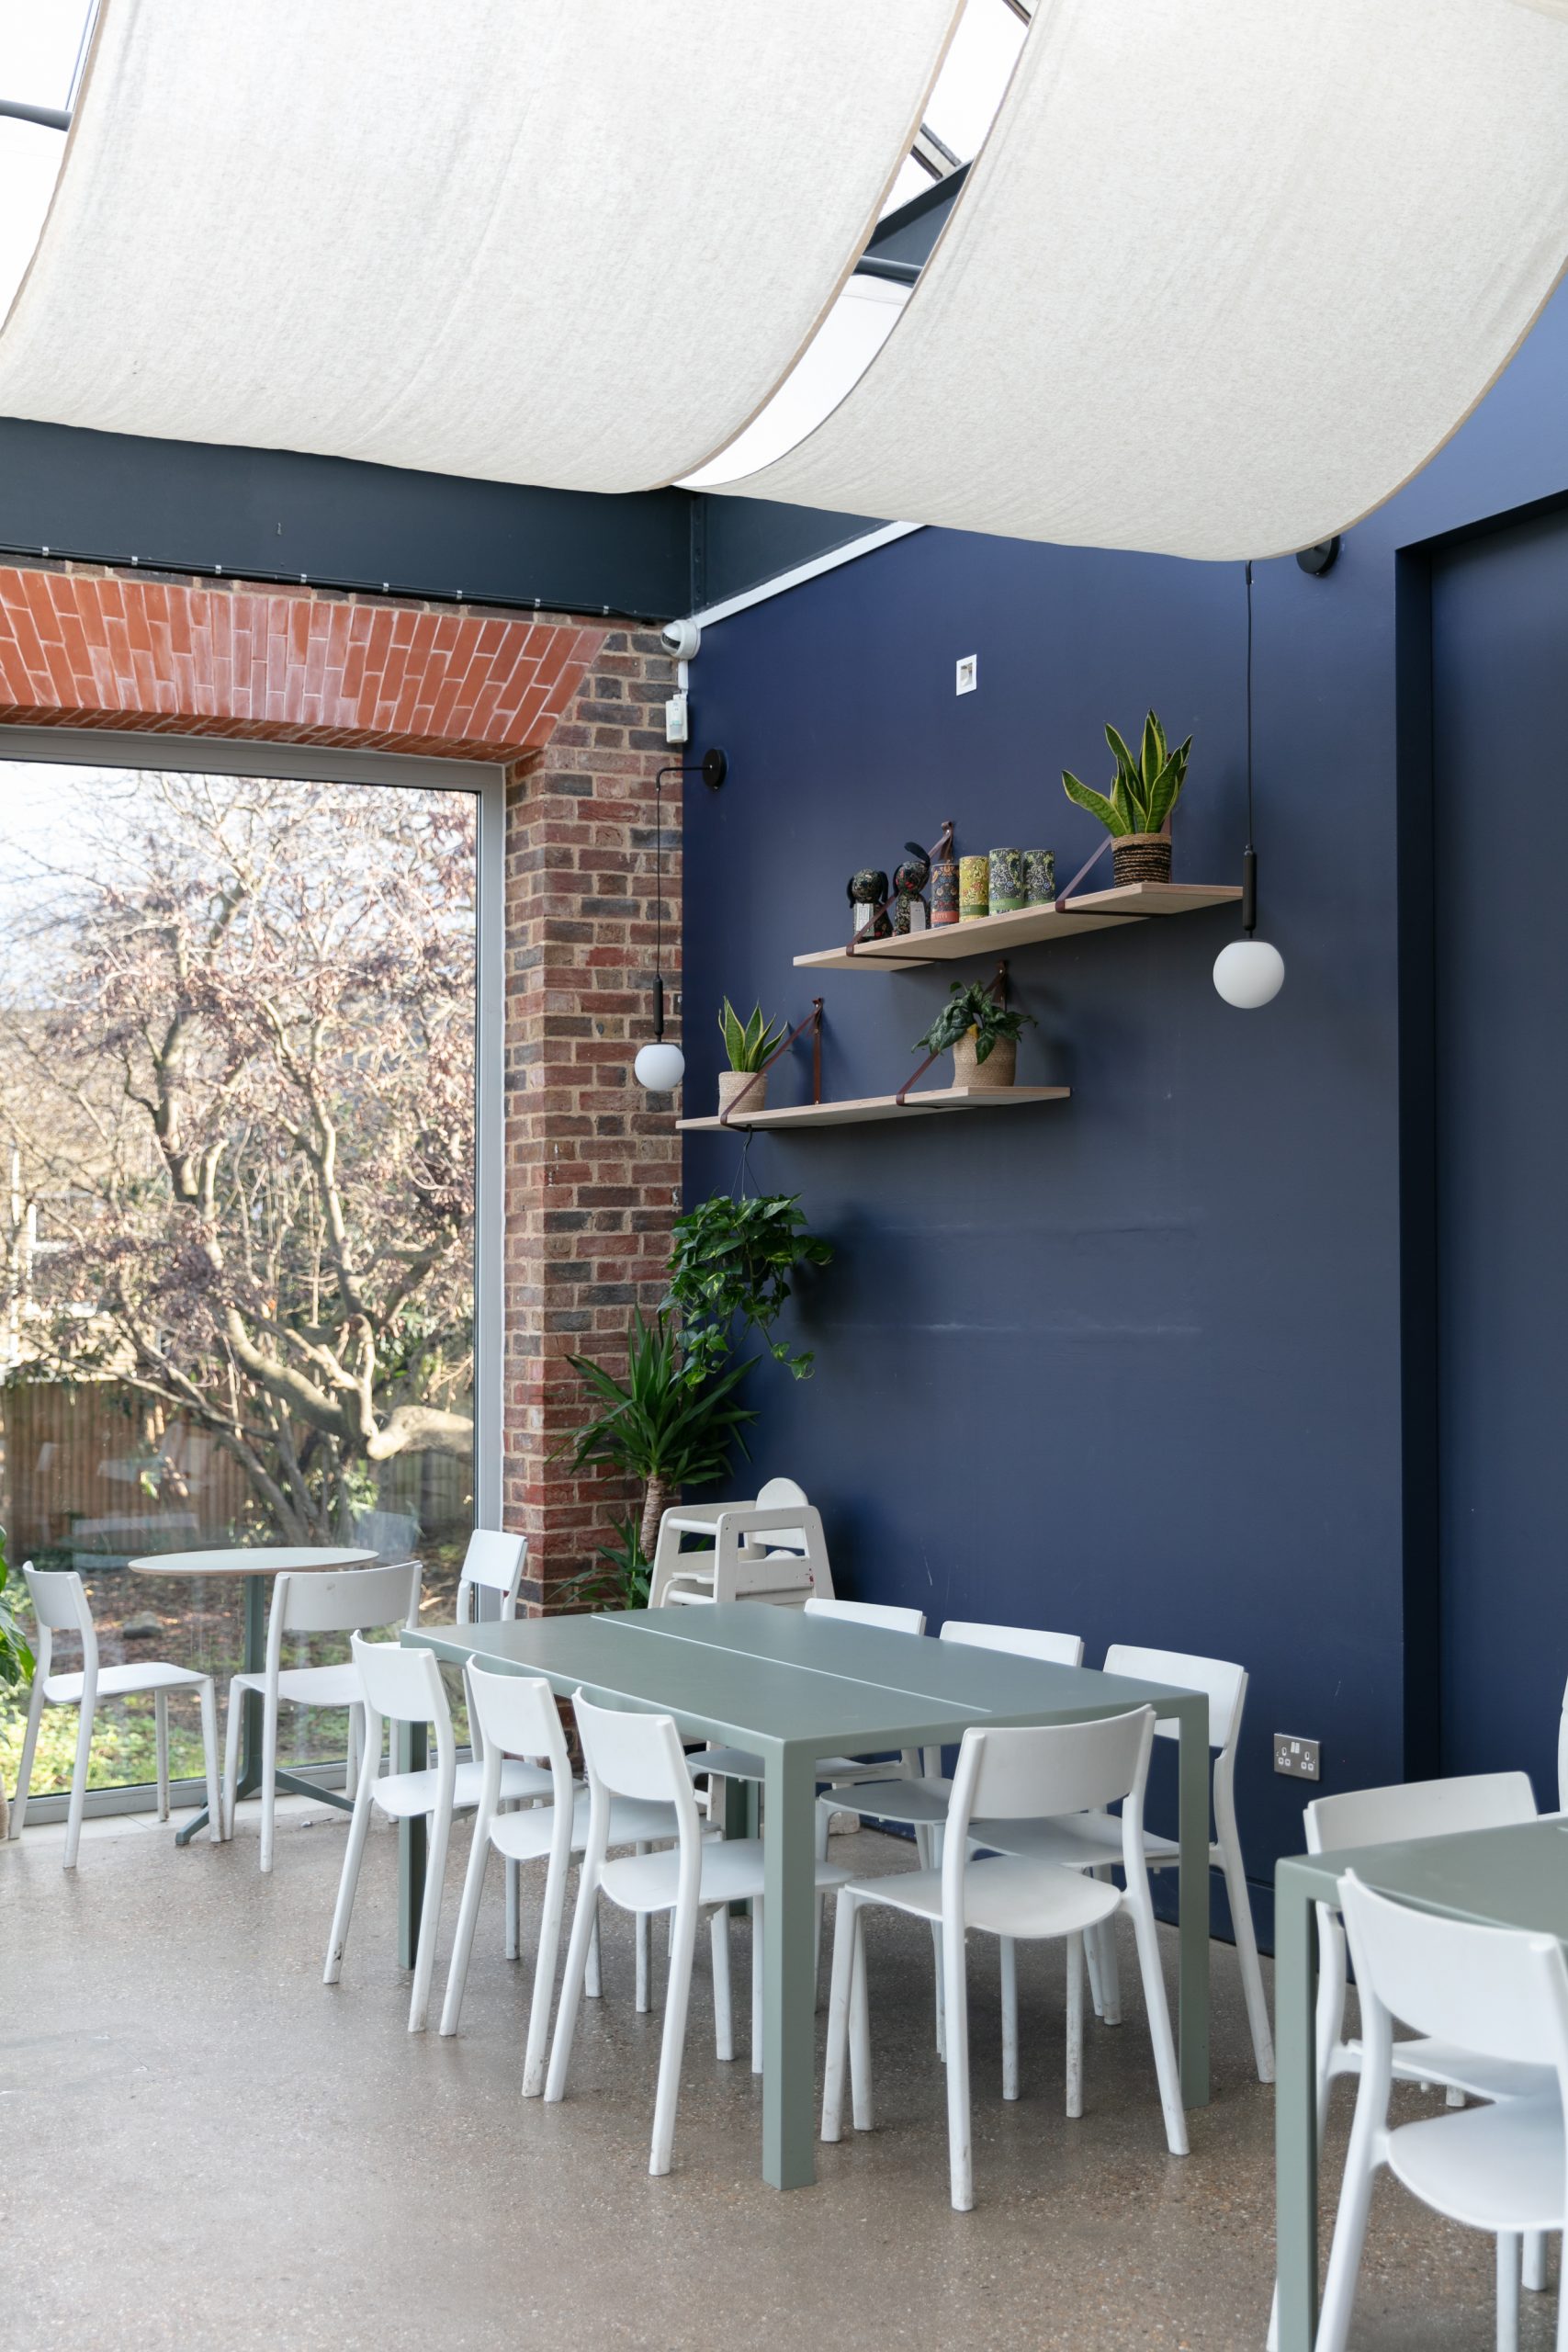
x: 982, y: 1033
x: 1142, y: 794
x: 747, y: 1045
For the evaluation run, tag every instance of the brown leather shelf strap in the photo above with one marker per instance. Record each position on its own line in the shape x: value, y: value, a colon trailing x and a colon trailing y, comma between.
x: 813, y: 1022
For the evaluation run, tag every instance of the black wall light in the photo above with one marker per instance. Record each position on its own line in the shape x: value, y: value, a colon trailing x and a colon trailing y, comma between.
x: 660, y: 1065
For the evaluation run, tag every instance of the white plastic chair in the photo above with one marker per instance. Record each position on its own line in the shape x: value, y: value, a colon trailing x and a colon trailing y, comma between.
x: 1005, y: 1777
x: 640, y: 1756
x: 60, y: 1604
x: 337, y: 1602
x: 517, y: 1716
x: 1094, y: 1841
x: 493, y: 1562
x: 1500, y: 2168
x: 399, y: 1686
x: 771, y: 1549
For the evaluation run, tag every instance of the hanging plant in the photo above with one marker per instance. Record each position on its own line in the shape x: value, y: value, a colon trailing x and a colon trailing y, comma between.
x: 733, y: 1264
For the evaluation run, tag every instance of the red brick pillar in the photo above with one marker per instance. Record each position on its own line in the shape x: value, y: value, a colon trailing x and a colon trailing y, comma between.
x: 593, y: 1171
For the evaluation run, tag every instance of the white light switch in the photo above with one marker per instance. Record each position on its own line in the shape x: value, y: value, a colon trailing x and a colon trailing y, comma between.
x: 968, y: 673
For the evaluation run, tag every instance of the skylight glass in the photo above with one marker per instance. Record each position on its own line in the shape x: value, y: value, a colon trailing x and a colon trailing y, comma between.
x: 42, y: 43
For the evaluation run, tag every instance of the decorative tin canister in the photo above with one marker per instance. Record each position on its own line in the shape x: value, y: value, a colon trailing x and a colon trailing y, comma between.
x: 973, y: 887
x: 944, y: 891
x: 1006, y: 881
x: 1039, y: 877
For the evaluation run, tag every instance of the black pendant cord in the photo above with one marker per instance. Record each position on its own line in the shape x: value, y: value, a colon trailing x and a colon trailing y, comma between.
x: 1250, y: 855
x: 659, y: 906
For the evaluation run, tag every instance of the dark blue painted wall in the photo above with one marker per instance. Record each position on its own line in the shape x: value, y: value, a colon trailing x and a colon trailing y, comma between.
x: 1130, y: 1366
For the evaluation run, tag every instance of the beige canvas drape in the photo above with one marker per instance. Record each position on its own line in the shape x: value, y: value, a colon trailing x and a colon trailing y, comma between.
x: 575, y: 243
x: 1226, y: 273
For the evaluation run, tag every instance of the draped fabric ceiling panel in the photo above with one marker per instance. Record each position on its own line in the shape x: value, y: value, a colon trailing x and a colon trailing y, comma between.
x: 1226, y: 273
x: 574, y: 243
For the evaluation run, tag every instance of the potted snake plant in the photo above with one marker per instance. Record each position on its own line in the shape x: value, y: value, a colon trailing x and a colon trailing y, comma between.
x: 1142, y: 794
x: 747, y: 1046
x: 982, y: 1033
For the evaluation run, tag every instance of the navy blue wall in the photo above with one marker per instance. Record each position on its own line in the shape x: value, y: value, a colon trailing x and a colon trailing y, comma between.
x: 1131, y: 1366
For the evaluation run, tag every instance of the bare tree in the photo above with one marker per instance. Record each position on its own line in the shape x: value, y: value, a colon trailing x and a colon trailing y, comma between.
x: 237, y: 1079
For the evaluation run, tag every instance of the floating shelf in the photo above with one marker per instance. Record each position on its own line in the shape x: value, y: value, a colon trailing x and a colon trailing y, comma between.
x: 989, y: 934
x: 884, y: 1106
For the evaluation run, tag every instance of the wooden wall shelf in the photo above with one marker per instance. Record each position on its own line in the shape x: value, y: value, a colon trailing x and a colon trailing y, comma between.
x: 883, y: 1106
x: 992, y: 935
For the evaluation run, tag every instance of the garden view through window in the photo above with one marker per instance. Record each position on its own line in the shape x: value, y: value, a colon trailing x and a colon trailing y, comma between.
x: 237, y: 1042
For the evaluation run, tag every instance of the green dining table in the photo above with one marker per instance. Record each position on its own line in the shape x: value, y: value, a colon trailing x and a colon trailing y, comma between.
x: 791, y: 1689
x: 1516, y: 1877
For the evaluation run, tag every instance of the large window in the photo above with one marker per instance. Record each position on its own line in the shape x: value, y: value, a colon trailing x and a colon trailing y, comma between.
x: 238, y: 1047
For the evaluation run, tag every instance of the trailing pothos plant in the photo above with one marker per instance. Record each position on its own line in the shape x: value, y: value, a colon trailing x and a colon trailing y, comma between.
x: 658, y: 1425
x: 733, y: 1265
x: 973, y: 1007
x: 1143, y: 791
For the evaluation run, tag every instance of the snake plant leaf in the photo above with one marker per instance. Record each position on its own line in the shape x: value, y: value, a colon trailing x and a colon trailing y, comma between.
x: 1104, y: 811
x: 1155, y: 751
x: 1167, y: 788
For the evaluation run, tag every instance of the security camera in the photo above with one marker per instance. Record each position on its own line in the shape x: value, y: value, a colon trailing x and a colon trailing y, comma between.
x: 681, y: 639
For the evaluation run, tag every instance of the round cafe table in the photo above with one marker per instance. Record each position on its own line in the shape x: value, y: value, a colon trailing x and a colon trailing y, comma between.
x: 258, y: 1564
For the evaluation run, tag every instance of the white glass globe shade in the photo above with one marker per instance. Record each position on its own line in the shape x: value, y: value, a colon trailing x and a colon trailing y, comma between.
x: 1249, y: 973
x: 659, y: 1067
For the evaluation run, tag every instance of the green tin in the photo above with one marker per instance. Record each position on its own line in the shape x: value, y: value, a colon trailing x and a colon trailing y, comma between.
x: 1006, y: 881
x: 973, y: 887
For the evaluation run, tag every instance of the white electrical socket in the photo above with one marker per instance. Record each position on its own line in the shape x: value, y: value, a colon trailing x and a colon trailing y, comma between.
x: 676, y: 725
x: 1297, y: 1758
x: 968, y: 673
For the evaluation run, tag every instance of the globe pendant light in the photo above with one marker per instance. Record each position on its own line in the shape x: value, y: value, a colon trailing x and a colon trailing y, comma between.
x: 660, y: 1065
x: 1249, y: 972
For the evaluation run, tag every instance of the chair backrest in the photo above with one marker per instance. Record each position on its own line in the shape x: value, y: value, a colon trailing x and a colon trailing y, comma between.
x: 1502, y: 1992
x: 1417, y: 1809
x: 629, y: 1754
x: 390, y: 1535
x: 1226, y: 1685
x: 1035, y: 1771
x: 60, y: 1604
x: 402, y: 1686
x: 777, y: 1494
x: 1022, y: 1640
x: 493, y: 1562
x: 344, y: 1600
x: 869, y: 1612
x: 517, y: 1716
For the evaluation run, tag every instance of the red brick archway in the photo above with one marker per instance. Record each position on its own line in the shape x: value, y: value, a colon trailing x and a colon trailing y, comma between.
x: 592, y: 1174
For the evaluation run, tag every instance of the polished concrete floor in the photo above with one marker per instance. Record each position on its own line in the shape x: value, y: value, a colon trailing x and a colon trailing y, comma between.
x: 203, y: 2148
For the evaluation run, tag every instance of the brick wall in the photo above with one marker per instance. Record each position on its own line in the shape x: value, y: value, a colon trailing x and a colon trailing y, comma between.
x: 593, y: 1165
x: 571, y: 705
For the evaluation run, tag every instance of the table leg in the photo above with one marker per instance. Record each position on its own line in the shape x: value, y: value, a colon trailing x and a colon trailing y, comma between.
x: 1295, y: 2116
x: 255, y: 1657
x: 1194, y: 1833
x: 412, y: 1743
x: 789, y: 1994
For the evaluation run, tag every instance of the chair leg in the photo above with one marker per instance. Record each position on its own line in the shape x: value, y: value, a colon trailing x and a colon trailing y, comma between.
x: 1350, y: 2228
x: 860, y: 2028
x: 644, y: 1941
x: 1535, y: 2262
x: 956, y: 2006
x: 1240, y: 1901
x: 723, y: 2006
x: 468, y: 1920
x: 593, y: 1983
x: 430, y: 1917
x: 1139, y: 1902
x: 1091, y: 1963
x: 544, y: 1977
x: 757, y: 1958
x: 25, y: 1769
x: 208, y: 1699
x: 1110, y: 1962
x: 79, y: 1784
x: 231, y: 1757
x: 845, y: 1931
x: 677, y: 2000
x: 161, y: 1745
x: 269, y: 1776
x: 353, y: 1854
x: 1507, y: 2290
x: 1077, y: 1947
x: 513, y: 1910
x: 1010, y: 2015
x: 584, y: 1929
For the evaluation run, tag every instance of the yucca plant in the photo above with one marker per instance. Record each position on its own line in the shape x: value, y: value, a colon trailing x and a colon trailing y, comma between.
x: 657, y: 1426
x: 1144, y: 790
x: 750, y: 1041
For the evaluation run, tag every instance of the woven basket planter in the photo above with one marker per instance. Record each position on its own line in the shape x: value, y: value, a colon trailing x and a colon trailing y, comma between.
x: 732, y: 1083
x: 1141, y: 857
x: 998, y: 1069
